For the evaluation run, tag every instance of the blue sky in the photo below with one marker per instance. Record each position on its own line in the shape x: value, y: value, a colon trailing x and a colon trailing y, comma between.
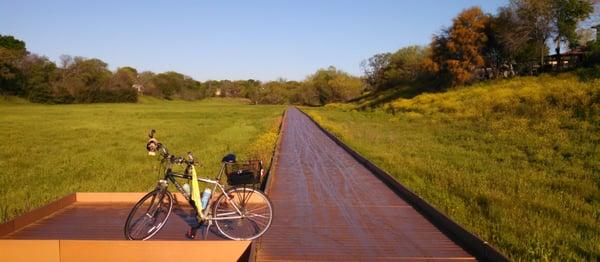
x: 222, y: 39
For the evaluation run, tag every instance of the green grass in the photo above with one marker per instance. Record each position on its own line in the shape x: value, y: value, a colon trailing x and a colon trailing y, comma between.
x: 517, y: 162
x: 48, y: 151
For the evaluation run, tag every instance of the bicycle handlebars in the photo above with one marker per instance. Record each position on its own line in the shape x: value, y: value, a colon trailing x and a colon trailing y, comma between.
x: 180, y: 160
x: 154, y: 146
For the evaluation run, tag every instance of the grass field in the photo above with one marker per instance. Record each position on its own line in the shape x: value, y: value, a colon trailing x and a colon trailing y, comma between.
x: 48, y: 151
x: 517, y: 162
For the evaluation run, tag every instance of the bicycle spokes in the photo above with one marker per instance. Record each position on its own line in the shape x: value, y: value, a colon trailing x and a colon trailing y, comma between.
x: 243, y: 214
x: 149, y: 215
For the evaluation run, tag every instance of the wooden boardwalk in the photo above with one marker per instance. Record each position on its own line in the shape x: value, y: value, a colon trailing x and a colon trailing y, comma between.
x: 329, y: 207
x: 89, y: 227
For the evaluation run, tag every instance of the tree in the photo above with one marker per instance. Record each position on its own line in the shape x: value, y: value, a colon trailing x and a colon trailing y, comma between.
x: 556, y: 19
x: 146, y: 80
x: 273, y: 92
x: 374, y: 68
x: 294, y: 92
x: 566, y: 16
x: 405, y: 65
x: 250, y: 89
x: 309, y: 95
x: 93, y: 76
x: 12, y: 51
x: 280, y: 91
x: 593, y: 56
x: 534, y: 23
x: 120, y: 88
x: 230, y: 88
x: 123, y: 78
x: 512, y: 41
x: 332, y: 85
x: 584, y: 36
x: 82, y: 80
x: 175, y: 85
x: 594, y: 18
x: 458, y: 51
x: 389, y: 70
x: 211, y: 87
x: 39, y: 73
x: 168, y: 83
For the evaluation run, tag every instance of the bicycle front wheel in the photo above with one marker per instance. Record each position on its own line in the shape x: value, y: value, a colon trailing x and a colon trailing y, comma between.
x: 243, y: 213
x: 149, y: 215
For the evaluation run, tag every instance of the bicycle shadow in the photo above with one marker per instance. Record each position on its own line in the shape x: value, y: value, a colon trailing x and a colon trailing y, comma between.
x: 187, y: 215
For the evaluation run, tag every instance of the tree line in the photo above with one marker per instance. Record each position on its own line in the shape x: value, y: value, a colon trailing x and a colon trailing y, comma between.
x: 326, y: 85
x: 477, y: 46
x: 514, y: 41
x: 74, y: 80
x: 88, y: 80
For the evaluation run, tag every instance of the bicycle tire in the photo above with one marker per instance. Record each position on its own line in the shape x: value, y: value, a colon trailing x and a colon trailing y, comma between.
x: 156, y: 208
x: 256, y: 207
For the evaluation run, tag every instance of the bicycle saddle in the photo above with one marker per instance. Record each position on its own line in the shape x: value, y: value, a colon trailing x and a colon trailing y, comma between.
x: 229, y: 158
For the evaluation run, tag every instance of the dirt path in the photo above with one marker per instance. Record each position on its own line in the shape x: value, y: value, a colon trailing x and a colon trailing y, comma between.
x: 329, y: 207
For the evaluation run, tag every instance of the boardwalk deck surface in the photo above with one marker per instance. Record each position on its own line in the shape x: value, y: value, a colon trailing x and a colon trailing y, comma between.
x: 89, y: 227
x: 102, y: 221
x: 329, y: 207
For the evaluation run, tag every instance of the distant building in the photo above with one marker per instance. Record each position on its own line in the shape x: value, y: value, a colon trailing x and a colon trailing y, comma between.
x: 138, y: 87
x: 568, y: 59
x: 597, y: 27
x: 218, y: 92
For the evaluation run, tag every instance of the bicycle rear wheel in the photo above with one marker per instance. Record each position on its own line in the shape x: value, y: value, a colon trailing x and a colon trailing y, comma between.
x: 253, y: 219
x: 149, y: 215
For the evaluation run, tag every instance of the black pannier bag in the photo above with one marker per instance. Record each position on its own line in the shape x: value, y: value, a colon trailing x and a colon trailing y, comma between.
x: 244, y: 173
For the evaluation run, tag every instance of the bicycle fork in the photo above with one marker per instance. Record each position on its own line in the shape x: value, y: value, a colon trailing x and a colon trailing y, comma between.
x: 154, y: 208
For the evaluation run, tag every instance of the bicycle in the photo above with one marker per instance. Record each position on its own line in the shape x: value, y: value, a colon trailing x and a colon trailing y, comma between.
x: 240, y: 212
